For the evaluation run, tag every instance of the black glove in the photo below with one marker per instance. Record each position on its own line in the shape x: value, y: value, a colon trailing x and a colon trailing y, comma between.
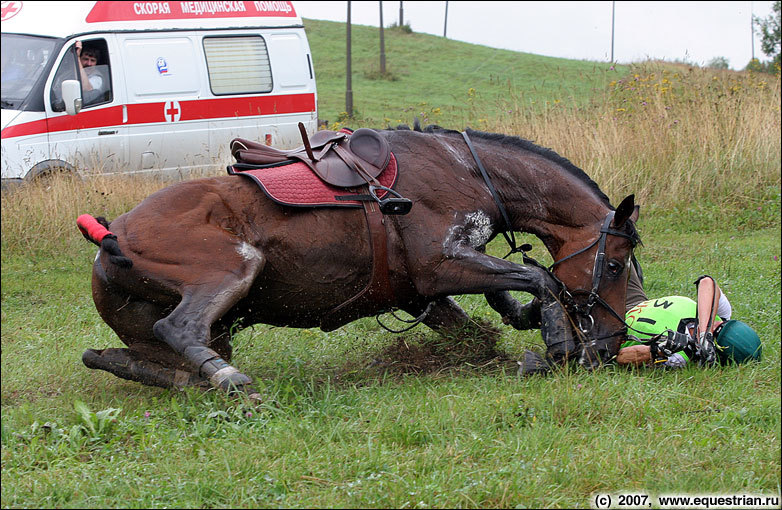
x: 669, y: 342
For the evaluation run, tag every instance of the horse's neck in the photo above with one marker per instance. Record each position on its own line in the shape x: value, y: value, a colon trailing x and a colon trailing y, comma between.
x: 546, y: 200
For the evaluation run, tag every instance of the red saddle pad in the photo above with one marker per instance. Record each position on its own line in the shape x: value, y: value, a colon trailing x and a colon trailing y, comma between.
x: 296, y: 185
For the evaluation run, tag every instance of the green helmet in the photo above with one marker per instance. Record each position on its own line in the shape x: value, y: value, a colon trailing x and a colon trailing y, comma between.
x: 737, y: 342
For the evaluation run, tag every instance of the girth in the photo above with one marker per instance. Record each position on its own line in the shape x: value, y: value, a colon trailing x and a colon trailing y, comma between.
x: 377, y: 292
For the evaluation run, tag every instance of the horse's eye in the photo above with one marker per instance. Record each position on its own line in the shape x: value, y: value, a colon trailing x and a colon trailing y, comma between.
x: 614, y: 268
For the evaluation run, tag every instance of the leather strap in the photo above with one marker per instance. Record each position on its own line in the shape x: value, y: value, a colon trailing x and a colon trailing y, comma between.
x: 507, y: 230
x: 378, y: 289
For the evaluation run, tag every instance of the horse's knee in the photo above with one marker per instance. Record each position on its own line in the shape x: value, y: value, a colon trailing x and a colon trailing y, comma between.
x: 445, y: 315
x: 519, y: 316
x: 179, y: 335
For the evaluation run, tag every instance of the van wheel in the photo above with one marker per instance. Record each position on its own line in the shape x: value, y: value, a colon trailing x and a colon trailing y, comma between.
x: 46, y: 171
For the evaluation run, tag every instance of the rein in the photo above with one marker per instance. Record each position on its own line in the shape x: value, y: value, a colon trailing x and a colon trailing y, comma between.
x: 597, y: 271
x: 511, y: 239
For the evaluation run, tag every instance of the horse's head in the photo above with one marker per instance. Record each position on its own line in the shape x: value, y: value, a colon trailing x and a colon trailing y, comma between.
x: 596, y: 278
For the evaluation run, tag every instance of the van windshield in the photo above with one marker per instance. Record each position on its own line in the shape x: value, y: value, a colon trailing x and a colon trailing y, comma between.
x: 24, y: 58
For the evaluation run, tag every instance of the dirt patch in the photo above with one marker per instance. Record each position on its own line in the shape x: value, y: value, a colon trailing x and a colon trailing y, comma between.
x: 473, y: 347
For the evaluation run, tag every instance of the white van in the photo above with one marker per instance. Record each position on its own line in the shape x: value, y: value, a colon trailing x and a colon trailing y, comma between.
x: 173, y: 83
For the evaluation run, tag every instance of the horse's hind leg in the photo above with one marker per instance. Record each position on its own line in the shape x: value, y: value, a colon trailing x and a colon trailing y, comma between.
x: 147, y: 360
x: 142, y: 364
x: 213, y: 291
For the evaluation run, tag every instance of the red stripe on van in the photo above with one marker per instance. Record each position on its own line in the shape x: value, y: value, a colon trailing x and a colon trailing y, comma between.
x: 147, y: 113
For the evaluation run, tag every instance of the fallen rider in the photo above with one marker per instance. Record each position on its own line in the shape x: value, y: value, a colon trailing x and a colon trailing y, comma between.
x: 673, y: 331
x: 667, y: 332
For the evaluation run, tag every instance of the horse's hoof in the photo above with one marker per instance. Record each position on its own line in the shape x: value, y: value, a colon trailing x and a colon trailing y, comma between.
x: 255, y: 398
x: 229, y: 379
x: 533, y: 363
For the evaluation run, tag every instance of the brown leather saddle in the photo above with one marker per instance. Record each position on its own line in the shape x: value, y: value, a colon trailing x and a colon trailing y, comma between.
x: 338, y: 158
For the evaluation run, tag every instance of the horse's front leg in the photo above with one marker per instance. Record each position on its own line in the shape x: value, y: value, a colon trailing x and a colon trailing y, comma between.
x: 464, y: 269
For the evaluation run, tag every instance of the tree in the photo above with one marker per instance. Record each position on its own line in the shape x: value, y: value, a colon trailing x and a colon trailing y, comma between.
x: 718, y: 63
x: 769, y: 31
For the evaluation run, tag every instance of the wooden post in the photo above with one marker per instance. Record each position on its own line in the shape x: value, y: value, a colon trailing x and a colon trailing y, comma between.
x: 382, y: 44
x: 613, y: 13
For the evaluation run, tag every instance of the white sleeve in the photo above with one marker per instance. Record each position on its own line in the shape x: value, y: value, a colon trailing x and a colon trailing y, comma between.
x: 724, y: 310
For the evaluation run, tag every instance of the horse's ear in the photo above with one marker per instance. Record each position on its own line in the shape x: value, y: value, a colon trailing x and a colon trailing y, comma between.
x: 626, y: 210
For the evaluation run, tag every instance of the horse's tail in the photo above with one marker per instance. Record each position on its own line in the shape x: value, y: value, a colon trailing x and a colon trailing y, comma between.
x: 97, y: 231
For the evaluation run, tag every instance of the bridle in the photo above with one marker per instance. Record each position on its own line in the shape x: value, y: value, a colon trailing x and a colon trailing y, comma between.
x: 582, y: 311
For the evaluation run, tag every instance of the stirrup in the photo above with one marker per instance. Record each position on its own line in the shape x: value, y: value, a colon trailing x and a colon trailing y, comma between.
x: 398, y: 205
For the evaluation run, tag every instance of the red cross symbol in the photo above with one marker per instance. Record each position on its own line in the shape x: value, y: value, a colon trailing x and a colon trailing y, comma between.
x: 9, y: 9
x: 171, y: 111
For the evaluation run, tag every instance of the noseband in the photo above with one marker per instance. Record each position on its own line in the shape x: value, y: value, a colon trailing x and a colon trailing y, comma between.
x: 583, y: 312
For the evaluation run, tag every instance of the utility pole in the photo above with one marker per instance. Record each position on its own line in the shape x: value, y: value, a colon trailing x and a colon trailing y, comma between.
x: 613, y: 15
x: 382, y: 44
x: 752, y: 28
x: 445, y: 26
x: 401, y: 15
x: 349, y: 91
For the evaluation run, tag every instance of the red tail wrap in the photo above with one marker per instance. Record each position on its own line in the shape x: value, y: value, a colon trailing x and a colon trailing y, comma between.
x: 89, y: 226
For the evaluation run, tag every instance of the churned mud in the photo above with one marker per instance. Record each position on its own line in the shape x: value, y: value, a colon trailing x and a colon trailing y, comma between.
x: 472, y: 348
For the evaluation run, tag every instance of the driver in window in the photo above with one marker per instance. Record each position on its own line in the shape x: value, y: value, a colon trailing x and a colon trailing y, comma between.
x: 88, y: 59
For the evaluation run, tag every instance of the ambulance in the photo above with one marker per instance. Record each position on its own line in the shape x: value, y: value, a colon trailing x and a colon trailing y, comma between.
x: 164, y: 88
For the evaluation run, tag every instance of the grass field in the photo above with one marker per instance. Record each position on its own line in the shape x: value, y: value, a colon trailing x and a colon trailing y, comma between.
x: 700, y: 149
x: 438, y: 80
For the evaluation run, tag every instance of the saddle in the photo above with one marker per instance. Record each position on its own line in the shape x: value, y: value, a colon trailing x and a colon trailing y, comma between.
x: 345, y: 160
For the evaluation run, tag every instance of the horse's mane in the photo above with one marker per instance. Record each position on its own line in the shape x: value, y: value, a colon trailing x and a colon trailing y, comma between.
x: 521, y: 143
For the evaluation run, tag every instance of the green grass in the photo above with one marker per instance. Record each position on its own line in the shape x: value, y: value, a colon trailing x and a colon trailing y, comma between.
x: 338, y: 430
x: 335, y: 436
x: 440, y: 81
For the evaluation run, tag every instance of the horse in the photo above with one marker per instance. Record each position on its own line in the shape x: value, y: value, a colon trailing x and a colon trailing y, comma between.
x: 199, y: 260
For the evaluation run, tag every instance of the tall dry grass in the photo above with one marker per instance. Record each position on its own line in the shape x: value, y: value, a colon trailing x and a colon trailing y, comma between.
x: 41, y: 215
x: 671, y: 134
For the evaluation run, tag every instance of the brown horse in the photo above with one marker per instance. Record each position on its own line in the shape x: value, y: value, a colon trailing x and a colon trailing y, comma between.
x: 195, y: 260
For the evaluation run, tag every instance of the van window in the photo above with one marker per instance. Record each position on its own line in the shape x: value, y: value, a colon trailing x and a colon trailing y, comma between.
x: 238, y: 65
x: 88, y: 62
x: 24, y: 59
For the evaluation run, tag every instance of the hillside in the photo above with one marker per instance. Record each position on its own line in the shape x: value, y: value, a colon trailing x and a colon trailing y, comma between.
x: 442, y: 81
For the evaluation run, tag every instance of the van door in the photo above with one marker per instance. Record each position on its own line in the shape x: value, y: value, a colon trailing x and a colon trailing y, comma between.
x: 93, y: 140
x: 294, y: 77
x: 165, y: 125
